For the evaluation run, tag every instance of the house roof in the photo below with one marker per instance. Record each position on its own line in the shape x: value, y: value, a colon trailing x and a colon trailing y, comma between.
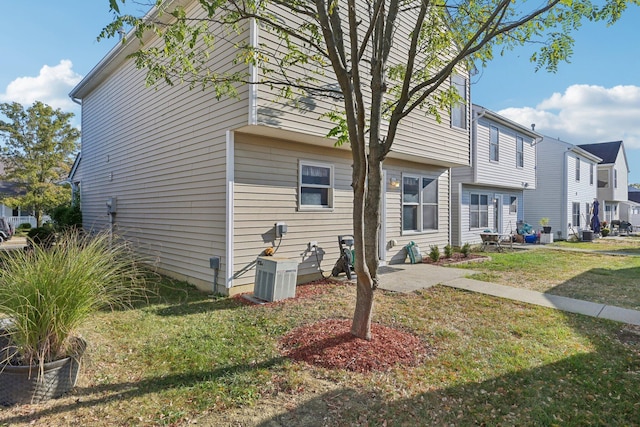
x: 607, y: 151
x: 634, y: 194
x: 9, y: 189
x: 492, y: 115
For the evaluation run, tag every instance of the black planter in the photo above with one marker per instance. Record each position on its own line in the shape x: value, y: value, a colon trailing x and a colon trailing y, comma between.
x: 546, y: 230
x: 27, y: 384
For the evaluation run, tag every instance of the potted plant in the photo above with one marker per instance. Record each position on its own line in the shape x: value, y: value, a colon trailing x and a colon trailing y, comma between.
x: 544, y: 223
x: 45, y: 296
x: 604, y: 229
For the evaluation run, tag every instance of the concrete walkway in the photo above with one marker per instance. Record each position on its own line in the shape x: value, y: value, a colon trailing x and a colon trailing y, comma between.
x: 408, y: 278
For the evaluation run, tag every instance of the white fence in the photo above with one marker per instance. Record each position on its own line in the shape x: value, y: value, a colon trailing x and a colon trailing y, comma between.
x: 17, y: 220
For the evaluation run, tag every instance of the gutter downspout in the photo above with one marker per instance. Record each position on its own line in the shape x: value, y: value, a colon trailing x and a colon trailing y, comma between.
x: 229, y: 220
x: 474, y: 143
x: 253, y: 75
x: 565, y: 197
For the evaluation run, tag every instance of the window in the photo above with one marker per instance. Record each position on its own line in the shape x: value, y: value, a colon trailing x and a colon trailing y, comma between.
x: 587, y: 210
x: 513, y: 205
x: 493, y: 143
x: 603, y: 178
x: 577, y: 169
x: 316, y: 185
x: 419, y: 203
x: 590, y: 173
x: 575, y: 215
x: 615, y: 178
x: 459, y: 110
x: 479, y: 211
x: 519, y: 152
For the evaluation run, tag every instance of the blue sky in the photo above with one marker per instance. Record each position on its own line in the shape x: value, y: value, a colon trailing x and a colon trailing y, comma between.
x: 47, y: 46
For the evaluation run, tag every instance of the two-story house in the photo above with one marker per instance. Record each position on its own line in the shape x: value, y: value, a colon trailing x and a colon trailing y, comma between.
x: 613, y: 173
x: 196, y: 182
x: 565, y: 190
x: 489, y: 194
x: 630, y: 210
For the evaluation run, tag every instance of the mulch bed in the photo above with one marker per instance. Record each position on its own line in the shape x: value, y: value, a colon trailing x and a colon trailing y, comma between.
x: 329, y: 344
x: 455, y: 259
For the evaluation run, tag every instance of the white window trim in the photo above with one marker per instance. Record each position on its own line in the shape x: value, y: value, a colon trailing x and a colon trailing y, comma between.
x: 511, y: 204
x: 497, y: 144
x: 519, y: 139
x: 578, y: 171
x: 331, y: 187
x: 420, y: 229
x: 463, y: 106
x: 480, y: 226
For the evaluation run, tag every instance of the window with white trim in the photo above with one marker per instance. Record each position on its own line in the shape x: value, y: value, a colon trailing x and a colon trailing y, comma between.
x: 479, y: 211
x: 494, y: 143
x: 419, y: 203
x: 513, y: 205
x: 575, y: 214
x: 577, y: 169
x: 519, y: 152
x: 590, y: 173
x: 459, y: 110
x: 615, y: 178
x: 315, y: 185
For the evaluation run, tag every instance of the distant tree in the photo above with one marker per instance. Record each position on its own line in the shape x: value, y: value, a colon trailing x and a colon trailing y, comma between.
x: 637, y: 185
x: 389, y: 58
x: 39, y: 147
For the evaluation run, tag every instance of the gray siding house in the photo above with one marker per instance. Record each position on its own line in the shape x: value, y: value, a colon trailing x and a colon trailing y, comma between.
x: 187, y: 177
x: 489, y: 194
x: 565, y: 190
x: 613, y: 175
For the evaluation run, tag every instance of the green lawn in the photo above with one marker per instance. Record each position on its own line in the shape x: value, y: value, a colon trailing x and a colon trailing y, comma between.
x: 607, y: 279
x: 188, y: 358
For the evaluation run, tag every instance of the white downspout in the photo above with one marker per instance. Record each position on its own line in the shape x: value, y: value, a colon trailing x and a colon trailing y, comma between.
x: 229, y: 221
x: 253, y: 75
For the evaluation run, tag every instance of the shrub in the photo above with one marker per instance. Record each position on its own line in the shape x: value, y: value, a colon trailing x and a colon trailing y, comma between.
x: 434, y: 253
x: 24, y: 226
x: 448, y: 251
x: 49, y: 293
x: 67, y: 215
x: 42, y: 236
x: 465, y: 249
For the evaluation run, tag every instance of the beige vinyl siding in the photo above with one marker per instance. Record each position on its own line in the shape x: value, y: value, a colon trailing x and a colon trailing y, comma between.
x: 266, y: 192
x: 393, y: 215
x: 419, y: 135
x: 161, y: 154
x: 504, y: 172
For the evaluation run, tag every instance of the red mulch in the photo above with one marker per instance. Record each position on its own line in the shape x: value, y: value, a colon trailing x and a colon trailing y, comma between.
x: 455, y: 258
x: 329, y: 344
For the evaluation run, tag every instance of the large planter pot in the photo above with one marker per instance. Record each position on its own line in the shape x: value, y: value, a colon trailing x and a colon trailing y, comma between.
x: 26, y: 384
x: 546, y: 230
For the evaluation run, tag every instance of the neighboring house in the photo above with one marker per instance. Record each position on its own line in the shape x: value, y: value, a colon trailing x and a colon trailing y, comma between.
x: 613, y: 173
x: 630, y: 210
x: 188, y: 178
x: 489, y: 194
x: 14, y: 216
x: 566, y: 188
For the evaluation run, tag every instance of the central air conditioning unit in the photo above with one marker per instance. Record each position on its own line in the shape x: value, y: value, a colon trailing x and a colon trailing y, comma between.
x: 275, y: 278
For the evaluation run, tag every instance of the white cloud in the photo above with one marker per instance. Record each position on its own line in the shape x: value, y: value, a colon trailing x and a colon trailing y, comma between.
x: 51, y: 87
x: 586, y: 114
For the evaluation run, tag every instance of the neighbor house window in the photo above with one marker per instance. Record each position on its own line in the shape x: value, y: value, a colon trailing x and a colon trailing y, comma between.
x: 459, y: 110
x: 603, y: 178
x: 575, y: 214
x: 494, y: 143
x: 577, y: 169
x: 590, y: 173
x: 513, y: 205
x: 615, y: 178
x: 479, y: 211
x: 519, y: 151
x: 315, y: 185
x: 419, y: 203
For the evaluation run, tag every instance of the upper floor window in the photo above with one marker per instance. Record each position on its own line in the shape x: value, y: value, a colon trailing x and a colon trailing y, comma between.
x: 519, y: 151
x: 459, y: 110
x: 577, y: 169
x: 315, y: 185
x: 494, y: 143
x: 479, y: 211
x: 603, y: 178
x: 615, y: 178
x: 590, y: 173
x: 419, y: 203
